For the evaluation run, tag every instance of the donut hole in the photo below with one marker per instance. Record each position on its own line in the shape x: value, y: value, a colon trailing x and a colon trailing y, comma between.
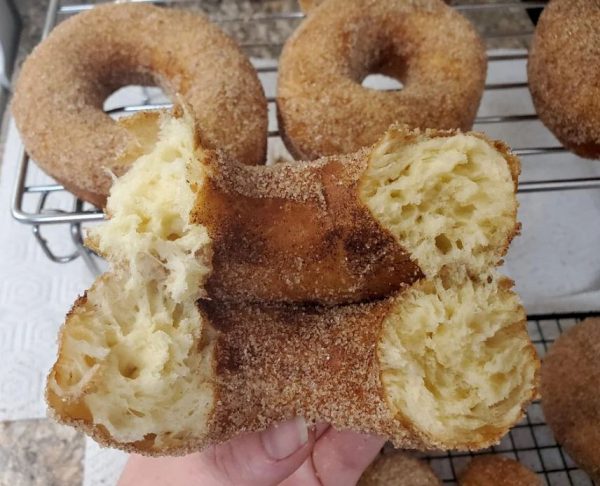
x: 381, y: 82
x: 136, y: 357
x: 132, y: 95
x: 384, y: 70
x: 456, y: 359
x: 448, y: 200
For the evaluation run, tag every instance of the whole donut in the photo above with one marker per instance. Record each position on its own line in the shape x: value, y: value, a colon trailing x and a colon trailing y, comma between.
x: 323, y: 109
x: 564, y: 73
x: 497, y: 471
x: 570, y: 383
x: 64, y: 82
x: 398, y: 469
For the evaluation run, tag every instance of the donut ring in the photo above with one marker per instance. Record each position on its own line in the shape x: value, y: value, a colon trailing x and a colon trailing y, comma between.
x: 570, y: 400
x: 563, y: 73
x: 329, y: 231
x: 324, y: 110
x: 497, y: 470
x: 398, y: 469
x: 148, y: 363
x: 90, y: 55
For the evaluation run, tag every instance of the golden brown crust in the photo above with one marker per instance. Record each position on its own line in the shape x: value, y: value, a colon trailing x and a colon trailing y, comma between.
x: 570, y: 393
x: 563, y: 72
x: 298, y: 233
x: 398, y: 469
x: 90, y: 55
x: 324, y: 110
x: 497, y: 471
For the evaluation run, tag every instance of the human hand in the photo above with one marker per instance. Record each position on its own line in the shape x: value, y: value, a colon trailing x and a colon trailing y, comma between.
x: 290, y: 453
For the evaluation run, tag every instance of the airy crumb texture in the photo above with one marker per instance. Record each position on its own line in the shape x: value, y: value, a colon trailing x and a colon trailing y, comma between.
x: 398, y: 469
x: 148, y: 227
x: 135, y: 362
x: 449, y: 200
x: 497, y: 471
x: 456, y: 360
x: 571, y: 393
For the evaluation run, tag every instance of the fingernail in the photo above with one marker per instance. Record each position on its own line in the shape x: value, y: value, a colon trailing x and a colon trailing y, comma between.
x: 282, y: 440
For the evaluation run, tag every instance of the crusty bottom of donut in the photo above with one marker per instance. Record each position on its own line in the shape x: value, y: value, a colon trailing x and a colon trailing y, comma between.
x: 448, y: 200
x: 456, y: 359
x: 135, y: 357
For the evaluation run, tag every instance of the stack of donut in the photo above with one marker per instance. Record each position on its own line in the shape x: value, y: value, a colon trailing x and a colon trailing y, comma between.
x: 359, y: 289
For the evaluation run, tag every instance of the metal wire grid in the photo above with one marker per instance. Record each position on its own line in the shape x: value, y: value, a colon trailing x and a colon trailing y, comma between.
x: 531, y: 441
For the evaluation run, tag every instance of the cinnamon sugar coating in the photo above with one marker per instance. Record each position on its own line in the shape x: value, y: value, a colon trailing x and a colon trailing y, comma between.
x: 399, y: 469
x: 64, y: 82
x: 433, y: 50
x: 563, y: 72
x: 497, y: 471
x: 298, y: 232
x: 570, y: 399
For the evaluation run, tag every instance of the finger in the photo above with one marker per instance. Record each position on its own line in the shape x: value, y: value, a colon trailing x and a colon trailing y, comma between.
x: 305, y: 474
x: 320, y: 429
x: 340, y: 457
x: 264, y: 458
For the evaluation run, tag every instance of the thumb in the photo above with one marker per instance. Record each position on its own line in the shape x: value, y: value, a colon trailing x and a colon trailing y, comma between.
x: 259, y: 458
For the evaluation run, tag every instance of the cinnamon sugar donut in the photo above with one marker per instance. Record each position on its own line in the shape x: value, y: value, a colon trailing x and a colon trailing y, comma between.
x: 497, y: 471
x: 322, y: 107
x: 570, y: 399
x: 564, y: 73
x: 64, y: 82
x: 399, y: 469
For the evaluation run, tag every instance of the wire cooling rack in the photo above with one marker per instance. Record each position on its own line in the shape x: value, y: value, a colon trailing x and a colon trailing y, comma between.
x: 531, y: 441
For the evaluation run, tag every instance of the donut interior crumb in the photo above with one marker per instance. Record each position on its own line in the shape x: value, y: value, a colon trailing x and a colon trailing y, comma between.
x: 455, y: 359
x: 447, y: 200
x: 135, y: 357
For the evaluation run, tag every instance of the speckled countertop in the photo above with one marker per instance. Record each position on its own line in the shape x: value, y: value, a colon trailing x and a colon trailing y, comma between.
x: 41, y: 452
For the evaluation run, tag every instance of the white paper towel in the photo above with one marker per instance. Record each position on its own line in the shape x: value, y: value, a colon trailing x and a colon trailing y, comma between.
x: 556, y: 262
x: 35, y: 295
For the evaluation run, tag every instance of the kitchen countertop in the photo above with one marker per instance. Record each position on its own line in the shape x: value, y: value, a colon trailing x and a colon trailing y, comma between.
x: 41, y: 452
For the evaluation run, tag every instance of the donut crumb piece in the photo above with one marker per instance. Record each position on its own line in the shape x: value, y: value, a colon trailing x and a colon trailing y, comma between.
x: 448, y: 200
x: 135, y: 356
x: 455, y: 358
